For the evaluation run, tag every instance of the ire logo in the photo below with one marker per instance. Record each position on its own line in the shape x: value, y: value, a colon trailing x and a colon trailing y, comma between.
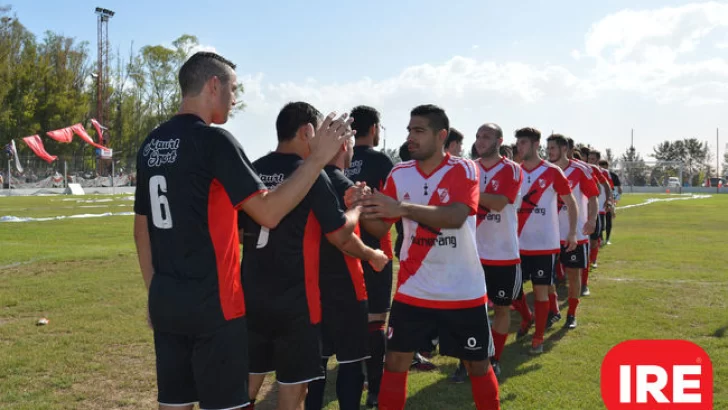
x: 657, y: 374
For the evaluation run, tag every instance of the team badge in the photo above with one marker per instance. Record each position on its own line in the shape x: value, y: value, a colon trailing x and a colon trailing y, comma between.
x: 541, y: 183
x: 495, y: 184
x: 444, y: 195
x: 406, y: 196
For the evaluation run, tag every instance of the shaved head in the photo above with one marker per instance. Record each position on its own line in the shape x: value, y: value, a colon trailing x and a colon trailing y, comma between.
x: 495, y: 127
x: 488, y: 140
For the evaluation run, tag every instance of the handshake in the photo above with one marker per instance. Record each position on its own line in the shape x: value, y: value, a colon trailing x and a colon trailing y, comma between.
x: 372, y: 203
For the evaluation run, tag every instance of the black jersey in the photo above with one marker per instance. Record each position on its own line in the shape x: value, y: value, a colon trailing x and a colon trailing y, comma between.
x: 190, y: 179
x: 342, y: 276
x: 281, y: 265
x: 615, y: 178
x: 372, y: 167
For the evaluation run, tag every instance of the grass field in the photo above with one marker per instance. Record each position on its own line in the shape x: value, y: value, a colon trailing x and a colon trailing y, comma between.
x: 663, y: 278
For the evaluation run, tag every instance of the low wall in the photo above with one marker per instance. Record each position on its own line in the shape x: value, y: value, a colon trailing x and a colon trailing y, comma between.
x: 675, y: 190
x: 61, y: 191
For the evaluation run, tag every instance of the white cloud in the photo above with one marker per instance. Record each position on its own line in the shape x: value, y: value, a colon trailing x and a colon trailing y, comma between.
x: 475, y: 47
x: 575, y: 54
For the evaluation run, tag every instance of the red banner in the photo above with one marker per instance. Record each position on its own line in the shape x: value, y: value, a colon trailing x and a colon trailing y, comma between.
x: 81, y: 132
x: 64, y: 135
x: 99, y: 130
x: 36, y: 145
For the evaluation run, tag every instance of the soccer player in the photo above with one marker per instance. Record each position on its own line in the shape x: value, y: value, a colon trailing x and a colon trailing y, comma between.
x: 538, y: 224
x: 191, y: 180
x: 517, y: 158
x: 343, y: 305
x: 585, y: 193
x: 404, y: 155
x: 281, y: 266
x: 605, y: 205
x: 440, y: 284
x: 497, y: 231
x: 372, y: 167
x: 454, y: 143
x: 616, y: 194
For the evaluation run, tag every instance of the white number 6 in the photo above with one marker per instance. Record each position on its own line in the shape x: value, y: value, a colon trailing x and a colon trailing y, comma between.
x: 161, y: 217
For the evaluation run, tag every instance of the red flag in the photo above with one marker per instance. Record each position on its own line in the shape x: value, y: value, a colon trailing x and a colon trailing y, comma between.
x: 36, y: 145
x: 64, y: 135
x: 99, y: 129
x: 81, y: 132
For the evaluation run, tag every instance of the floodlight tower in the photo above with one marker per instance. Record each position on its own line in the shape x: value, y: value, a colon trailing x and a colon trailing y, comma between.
x: 102, y: 72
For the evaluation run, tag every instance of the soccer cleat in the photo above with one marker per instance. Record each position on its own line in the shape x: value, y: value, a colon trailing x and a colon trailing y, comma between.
x: 523, y: 331
x: 570, y: 322
x: 460, y: 375
x: 585, y: 291
x: 552, y: 319
x: 594, y: 265
x: 422, y: 364
x: 372, y: 401
x: 496, y: 367
x: 536, y: 350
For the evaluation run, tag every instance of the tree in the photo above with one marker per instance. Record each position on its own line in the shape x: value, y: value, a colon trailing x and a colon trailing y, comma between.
x: 724, y: 166
x: 634, y: 170
x: 393, y: 154
x: 692, y: 153
x: 609, y: 156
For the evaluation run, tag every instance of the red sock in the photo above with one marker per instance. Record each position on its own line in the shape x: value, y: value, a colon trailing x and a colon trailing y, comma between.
x: 522, y: 307
x: 554, y: 303
x: 542, y: 315
x: 393, y: 391
x: 485, y: 391
x: 585, y: 276
x: 560, y: 271
x: 593, y: 253
x: 573, y: 304
x: 499, y: 340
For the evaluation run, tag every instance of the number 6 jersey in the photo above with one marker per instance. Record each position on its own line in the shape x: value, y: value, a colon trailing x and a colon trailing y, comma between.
x: 190, y: 179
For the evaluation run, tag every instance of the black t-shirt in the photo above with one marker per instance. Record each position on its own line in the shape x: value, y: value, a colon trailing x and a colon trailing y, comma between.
x: 372, y: 167
x: 615, y: 178
x: 190, y: 178
x: 342, y: 276
x: 281, y: 265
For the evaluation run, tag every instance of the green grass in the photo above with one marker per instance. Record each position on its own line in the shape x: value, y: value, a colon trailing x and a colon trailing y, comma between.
x: 663, y: 278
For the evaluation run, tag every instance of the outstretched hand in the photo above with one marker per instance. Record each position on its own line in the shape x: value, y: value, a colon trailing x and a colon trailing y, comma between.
x: 329, y: 136
x: 380, y: 206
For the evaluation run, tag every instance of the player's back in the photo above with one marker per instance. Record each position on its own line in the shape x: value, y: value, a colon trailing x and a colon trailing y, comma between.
x: 186, y: 183
x: 281, y: 265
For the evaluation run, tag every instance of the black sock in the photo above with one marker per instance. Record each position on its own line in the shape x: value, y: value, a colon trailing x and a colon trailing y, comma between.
x: 349, y: 385
x: 375, y: 365
x: 315, y: 396
x: 609, y: 225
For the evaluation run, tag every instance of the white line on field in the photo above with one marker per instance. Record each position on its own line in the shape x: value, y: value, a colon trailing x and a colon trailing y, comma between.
x: 10, y: 218
x: 653, y: 200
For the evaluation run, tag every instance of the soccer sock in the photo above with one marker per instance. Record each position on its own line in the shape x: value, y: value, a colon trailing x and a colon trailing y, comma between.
x: 485, y: 391
x: 499, y: 340
x: 522, y: 307
x: 560, y: 271
x: 349, y: 385
x: 554, y: 303
x: 585, y: 276
x: 375, y: 364
x: 573, y: 304
x: 393, y: 393
x: 594, y: 252
x: 315, y: 396
x: 542, y: 314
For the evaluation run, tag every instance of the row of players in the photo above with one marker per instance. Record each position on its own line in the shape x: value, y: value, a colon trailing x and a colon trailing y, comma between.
x: 302, y: 271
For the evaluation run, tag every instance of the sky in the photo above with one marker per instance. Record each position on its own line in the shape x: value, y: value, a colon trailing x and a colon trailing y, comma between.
x: 592, y: 70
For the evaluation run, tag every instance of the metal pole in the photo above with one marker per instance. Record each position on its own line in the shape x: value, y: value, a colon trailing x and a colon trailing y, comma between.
x: 65, y: 174
x: 717, y: 161
x: 113, y: 190
x: 9, y: 178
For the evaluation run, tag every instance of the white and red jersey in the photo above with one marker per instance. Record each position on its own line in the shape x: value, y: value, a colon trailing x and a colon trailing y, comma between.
x: 439, y: 268
x: 599, y: 180
x: 497, y: 232
x: 538, y: 212
x: 583, y: 187
x: 607, y: 179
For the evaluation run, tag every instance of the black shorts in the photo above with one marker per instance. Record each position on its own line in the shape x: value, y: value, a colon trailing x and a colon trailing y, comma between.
x: 290, y: 347
x: 379, y: 288
x: 601, y: 224
x: 345, y: 331
x: 576, y: 259
x: 539, y: 269
x: 463, y: 333
x: 206, y: 368
x: 503, y: 283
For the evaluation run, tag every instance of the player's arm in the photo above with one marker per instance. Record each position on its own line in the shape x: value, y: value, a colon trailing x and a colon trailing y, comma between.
x: 562, y: 188
x: 493, y: 201
x: 505, y: 193
x: 144, y: 248
x: 352, y: 245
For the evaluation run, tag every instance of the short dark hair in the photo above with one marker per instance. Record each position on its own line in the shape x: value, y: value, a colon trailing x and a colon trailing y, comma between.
x: 404, y: 153
x: 506, y: 151
x: 364, y: 117
x: 514, y: 149
x: 577, y: 155
x: 436, y: 117
x: 453, y: 136
x: 604, y: 163
x: 199, y: 68
x: 597, y: 153
x: 584, y: 151
x: 473, y: 152
x: 559, y: 139
x: 570, y: 141
x: 293, y: 116
x: 531, y: 133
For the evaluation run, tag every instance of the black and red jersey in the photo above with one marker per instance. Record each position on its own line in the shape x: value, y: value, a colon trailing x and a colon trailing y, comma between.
x: 190, y: 179
x: 342, y: 276
x: 372, y: 167
x: 281, y: 266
